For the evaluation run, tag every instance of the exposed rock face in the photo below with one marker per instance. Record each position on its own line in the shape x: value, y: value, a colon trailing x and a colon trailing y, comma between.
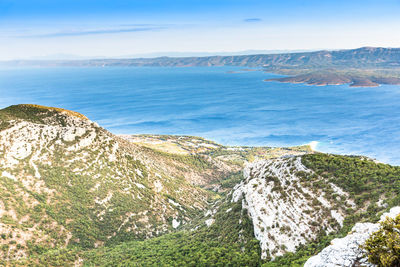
x: 346, y: 251
x: 285, y: 212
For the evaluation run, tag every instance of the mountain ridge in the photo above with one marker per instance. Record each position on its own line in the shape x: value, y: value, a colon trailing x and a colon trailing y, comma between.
x: 361, y: 67
x: 371, y: 56
x: 73, y: 193
x: 73, y: 173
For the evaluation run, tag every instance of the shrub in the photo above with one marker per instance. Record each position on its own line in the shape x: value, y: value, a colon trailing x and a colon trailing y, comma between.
x: 383, y: 246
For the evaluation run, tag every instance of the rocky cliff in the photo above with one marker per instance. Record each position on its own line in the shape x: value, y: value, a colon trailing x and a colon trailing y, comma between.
x: 285, y: 212
x: 347, y: 251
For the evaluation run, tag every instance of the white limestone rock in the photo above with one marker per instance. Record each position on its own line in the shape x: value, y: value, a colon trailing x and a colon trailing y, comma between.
x: 175, y: 223
x: 209, y: 222
x: 283, y: 211
x: 346, y: 251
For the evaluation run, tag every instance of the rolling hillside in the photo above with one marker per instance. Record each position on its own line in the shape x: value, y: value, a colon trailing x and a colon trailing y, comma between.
x: 73, y: 193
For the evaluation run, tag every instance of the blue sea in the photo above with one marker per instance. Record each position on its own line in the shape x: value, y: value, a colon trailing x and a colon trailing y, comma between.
x: 229, y: 108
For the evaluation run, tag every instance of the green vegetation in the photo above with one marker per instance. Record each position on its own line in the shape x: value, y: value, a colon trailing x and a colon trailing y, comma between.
x: 383, y: 246
x: 75, y: 205
x: 178, y: 145
x: 304, y: 252
x: 226, y: 240
x: 115, y: 201
x: 229, y: 182
x: 51, y: 257
x: 225, y: 243
x: 37, y: 114
x: 189, y: 161
x: 365, y: 180
x: 85, y: 196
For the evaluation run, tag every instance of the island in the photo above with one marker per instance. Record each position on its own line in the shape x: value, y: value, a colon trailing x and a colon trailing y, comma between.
x: 360, y: 78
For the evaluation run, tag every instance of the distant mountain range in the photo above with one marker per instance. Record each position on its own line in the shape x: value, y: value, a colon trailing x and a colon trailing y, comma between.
x: 362, y: 57
x: 366, y: 66
x: 62, y: 56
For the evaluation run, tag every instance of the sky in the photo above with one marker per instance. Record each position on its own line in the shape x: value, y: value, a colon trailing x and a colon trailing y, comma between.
x: 39, y: 29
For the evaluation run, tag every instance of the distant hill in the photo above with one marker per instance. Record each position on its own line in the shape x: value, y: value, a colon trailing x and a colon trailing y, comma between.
x: 355, y: 78
x: 362, y: 57
x: 366, y: 66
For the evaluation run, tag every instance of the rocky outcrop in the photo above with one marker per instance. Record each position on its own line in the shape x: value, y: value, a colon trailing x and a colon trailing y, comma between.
x: 346, y: 251
x: 286, y: 212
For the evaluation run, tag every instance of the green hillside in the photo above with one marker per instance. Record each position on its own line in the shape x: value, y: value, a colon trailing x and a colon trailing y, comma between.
x: 73, y: 193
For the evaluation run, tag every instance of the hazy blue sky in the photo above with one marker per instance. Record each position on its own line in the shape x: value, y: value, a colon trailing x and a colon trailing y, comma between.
x: 33, y: 28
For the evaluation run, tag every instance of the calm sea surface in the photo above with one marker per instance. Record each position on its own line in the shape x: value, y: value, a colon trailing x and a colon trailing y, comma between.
x: 230, y: 108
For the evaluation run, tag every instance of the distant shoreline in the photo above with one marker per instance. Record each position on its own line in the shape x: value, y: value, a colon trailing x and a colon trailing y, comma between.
x: 334, y: 77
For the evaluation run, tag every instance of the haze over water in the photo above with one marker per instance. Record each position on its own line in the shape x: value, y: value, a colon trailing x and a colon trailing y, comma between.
x: 229, y: 108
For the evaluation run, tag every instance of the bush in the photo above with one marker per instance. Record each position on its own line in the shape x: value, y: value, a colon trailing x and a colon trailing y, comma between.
x: 383, y: 246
